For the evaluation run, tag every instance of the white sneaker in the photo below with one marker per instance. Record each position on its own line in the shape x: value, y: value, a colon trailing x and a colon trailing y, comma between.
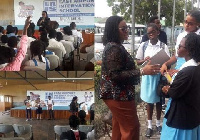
x: 27, y: 119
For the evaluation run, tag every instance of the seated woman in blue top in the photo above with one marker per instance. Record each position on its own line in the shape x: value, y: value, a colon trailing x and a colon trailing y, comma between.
x: 182, y: 119
x: 37, y: 56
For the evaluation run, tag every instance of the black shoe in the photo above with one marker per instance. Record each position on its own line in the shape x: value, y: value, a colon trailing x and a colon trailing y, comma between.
x: 149, y: 132
x: 163, y: 107
x: 159, y: 129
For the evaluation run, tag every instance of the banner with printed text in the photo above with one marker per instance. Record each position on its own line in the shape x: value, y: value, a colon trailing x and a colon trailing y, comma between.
x: 62, y: 98
x: 62, y: 11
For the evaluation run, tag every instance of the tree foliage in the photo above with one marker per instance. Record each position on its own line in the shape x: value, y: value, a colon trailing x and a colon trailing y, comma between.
x: 147, y: 8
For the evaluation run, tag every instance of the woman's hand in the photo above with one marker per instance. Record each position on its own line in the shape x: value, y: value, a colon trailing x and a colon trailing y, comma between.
x: 163, y: 69
x: 151, y: 69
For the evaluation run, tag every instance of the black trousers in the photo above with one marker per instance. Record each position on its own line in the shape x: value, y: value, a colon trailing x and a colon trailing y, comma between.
x: 28, y: 113
x: 51, y: 114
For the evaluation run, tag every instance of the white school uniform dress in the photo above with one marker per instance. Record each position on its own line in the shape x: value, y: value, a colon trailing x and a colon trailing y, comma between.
x: 49, y: 102
x: 45, y: 65
x: 150, y: 82
x: 30, y: 103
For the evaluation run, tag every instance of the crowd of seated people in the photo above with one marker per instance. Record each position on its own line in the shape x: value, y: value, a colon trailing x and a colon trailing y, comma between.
x: 75, y: 133
x: 28, y: 50
x: 37, y: 49
x: 1, y: 31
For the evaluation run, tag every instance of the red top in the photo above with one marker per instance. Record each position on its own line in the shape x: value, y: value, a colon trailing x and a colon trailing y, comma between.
x: 77, y: 135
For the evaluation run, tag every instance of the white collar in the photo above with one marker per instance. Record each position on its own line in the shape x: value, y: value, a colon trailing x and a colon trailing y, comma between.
x: 188, y: 63
x: 197, y: 32
x: 53, y: 39
x: 75, y: 130
x: 157, y: 44
x: 37, y: 57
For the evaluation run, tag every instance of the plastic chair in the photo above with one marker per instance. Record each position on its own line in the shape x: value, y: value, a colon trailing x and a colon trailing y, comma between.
x: 58, y: 129
x: 54, y: 61
x: 25, y: 59
x: 90, y: 56
x: 69, y: 47
x: 77, y: 43
x: 85, y: 128
x: 6, y: 129
x: 68, y: 63
x: 13, y: 138
x: 24, y: 131
x: 32, y: 68
x: 57, y: 52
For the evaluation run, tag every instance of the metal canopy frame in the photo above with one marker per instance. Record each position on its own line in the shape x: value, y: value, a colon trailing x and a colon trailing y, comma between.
x: 45, y: 75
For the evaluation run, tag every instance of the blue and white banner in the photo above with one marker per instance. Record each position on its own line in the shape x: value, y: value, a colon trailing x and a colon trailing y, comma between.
x: 62, y: 98
x: 63, y: 11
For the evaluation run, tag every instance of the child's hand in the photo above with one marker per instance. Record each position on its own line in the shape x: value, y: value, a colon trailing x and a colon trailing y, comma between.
x: 147, y: 58
x: 163, y: 69
x: 165, y: 89
x: 172, y: 72
x: 27, y: 22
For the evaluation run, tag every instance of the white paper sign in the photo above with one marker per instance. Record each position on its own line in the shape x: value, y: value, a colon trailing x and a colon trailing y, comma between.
x: 63, y: 11
x: 63, y: 98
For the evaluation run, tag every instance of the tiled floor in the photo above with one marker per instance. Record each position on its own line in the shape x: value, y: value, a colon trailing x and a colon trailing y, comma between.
x: 42, y: 129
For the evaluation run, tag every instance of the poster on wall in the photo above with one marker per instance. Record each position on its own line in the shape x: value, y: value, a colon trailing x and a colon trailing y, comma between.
x: 62, y: 98
x: 63, y: 11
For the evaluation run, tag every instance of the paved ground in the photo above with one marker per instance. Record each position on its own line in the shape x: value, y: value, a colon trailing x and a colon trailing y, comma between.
x: 42, y: 129
x: 142, y: 114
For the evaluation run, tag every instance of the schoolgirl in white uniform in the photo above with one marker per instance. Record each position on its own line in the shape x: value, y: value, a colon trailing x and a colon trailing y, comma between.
x: 150, y: 82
